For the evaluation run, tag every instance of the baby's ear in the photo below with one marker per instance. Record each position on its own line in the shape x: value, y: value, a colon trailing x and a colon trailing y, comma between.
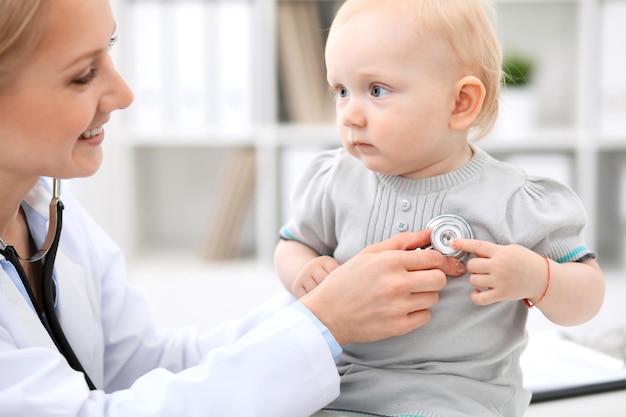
x: 469, y: 93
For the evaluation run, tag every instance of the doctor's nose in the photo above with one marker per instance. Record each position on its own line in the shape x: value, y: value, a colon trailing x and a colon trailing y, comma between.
x: 117, y: 93
x: 352, y: 114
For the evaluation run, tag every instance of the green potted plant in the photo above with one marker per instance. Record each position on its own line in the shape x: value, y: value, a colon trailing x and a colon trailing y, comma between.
x: 517, y: 70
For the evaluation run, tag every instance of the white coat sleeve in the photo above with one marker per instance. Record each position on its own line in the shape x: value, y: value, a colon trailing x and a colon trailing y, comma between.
x: 281, y: 368
x: 273, y: 363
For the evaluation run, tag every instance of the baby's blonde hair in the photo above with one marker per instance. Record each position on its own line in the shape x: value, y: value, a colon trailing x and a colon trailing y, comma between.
x: 468, y: 26
x: 20, y: 31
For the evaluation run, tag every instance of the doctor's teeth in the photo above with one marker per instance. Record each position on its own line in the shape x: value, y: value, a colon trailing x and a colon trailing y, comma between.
x: 92, y: 132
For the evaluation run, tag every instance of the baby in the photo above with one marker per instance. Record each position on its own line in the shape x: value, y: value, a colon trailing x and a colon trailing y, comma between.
x: 415, y: 80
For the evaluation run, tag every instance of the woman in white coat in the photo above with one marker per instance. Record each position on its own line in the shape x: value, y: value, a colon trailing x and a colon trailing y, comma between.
x: 75, y: 340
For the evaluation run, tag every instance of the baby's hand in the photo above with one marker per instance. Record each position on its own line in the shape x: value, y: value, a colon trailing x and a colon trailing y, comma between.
x: 502, y: 273
x: 312, y: 275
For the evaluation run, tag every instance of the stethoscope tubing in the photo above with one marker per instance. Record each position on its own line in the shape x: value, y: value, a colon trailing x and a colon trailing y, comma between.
x: 49, y: 296
x: 48, y: 250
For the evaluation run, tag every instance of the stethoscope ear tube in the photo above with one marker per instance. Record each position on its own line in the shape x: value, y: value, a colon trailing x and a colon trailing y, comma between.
x: 52, y: 226
x: 49, y: 295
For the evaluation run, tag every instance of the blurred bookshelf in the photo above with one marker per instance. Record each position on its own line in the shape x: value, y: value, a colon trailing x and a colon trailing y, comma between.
x: 243, y: 81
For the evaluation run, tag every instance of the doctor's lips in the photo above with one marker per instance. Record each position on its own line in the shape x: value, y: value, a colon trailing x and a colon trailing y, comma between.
x: 91, y: 133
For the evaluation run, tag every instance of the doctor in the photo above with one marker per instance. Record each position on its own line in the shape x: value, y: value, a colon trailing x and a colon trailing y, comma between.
x: 58, y: 88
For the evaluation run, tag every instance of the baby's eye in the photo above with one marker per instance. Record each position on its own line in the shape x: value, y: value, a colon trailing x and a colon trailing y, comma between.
x: 342, y: 92
x: 378, y: 91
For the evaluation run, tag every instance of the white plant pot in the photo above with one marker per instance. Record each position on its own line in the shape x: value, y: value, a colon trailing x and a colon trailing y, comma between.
x: 518, y: 110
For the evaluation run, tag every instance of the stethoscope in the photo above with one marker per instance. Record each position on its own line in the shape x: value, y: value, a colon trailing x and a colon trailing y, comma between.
x: 446, y: 228
x: 48, y: 250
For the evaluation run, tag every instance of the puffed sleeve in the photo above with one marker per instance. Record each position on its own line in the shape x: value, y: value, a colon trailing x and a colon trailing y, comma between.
x: 311, y: 222
x: 558, y: 220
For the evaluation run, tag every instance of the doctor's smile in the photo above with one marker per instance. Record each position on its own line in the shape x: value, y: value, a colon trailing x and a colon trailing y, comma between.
x: 93, y: 136
x: 93, y: 132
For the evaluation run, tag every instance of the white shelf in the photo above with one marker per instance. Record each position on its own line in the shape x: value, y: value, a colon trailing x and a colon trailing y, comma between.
x: 208, y: 138
x: 564, y: 35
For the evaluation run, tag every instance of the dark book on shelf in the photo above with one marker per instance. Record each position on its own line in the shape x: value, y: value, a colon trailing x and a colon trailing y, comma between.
x: 302, y: 74
x: 236, y: 196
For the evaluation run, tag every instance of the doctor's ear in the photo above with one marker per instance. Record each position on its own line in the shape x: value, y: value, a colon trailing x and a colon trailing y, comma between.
x: 469, y: 93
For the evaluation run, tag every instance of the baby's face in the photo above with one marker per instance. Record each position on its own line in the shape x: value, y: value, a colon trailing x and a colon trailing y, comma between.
x: 394, y: 88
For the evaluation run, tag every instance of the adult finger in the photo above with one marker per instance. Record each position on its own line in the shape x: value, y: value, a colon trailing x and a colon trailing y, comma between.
x: 412, y: 321
x: 417, y: 310
x: 417, y: 319
x: 431, y: 259
x: 426, y: 281
x: 402, y: 241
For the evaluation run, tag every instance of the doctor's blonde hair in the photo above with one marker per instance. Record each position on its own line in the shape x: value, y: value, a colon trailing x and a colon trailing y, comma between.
x: 468, y: 26
x: 21, y: 23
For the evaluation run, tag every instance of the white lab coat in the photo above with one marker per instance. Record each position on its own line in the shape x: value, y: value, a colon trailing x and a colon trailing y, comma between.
x: 273, y: 363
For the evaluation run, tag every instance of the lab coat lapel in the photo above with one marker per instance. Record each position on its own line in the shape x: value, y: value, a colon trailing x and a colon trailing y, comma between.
x: 27, y: 329
x: 77, y: 310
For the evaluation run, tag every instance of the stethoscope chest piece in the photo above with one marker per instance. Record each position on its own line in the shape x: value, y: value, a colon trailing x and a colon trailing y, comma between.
x: 446, y: 228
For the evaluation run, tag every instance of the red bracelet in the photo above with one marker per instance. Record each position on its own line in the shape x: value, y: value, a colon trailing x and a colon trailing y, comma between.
x: 545, y: 291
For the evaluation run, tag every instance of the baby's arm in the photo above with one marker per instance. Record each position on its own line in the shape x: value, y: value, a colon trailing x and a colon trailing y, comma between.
x: 300, y: 268
x: 568, y: 293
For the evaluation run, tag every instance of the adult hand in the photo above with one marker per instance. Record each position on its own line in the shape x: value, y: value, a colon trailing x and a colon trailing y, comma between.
x: 385, y: 290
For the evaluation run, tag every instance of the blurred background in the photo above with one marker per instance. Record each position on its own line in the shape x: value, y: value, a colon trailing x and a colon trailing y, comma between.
x: 231, y: 102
